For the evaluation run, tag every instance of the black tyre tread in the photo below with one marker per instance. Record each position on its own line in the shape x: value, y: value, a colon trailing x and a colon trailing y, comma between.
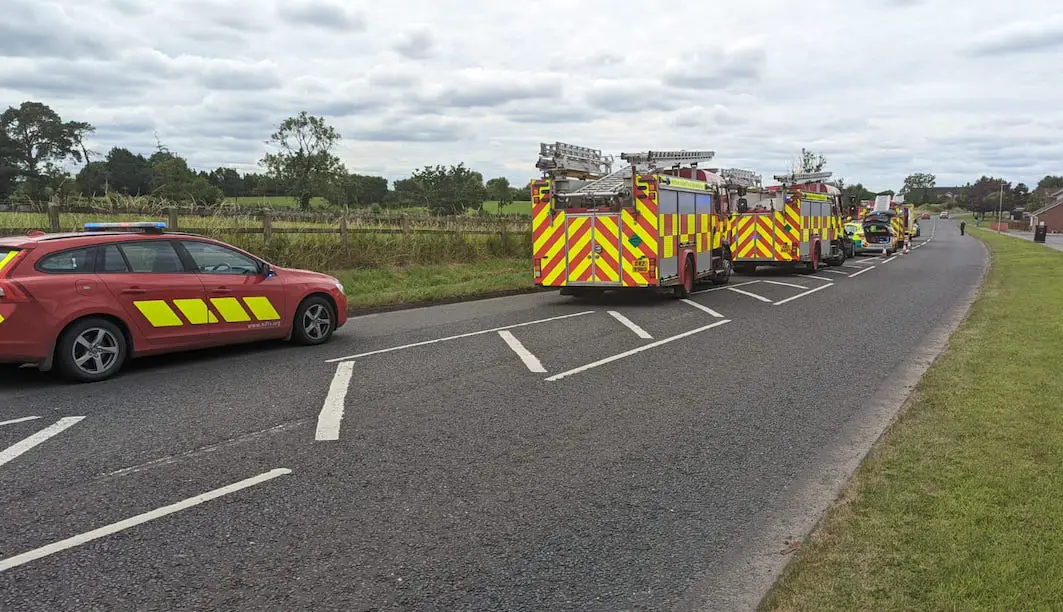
x: 298, y: 333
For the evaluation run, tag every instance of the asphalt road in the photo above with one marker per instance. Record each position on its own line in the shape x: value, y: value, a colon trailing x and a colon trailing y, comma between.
x: 465, y: 473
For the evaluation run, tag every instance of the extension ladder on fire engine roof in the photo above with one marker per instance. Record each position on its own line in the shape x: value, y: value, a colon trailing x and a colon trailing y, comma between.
x: 649, y: 160
x: 608, y: 184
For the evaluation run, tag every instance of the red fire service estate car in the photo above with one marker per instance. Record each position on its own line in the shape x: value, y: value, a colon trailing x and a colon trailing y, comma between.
x: 85, y: 302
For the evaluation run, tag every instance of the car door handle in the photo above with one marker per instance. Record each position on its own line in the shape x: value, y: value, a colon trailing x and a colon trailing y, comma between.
x: 134, y: 291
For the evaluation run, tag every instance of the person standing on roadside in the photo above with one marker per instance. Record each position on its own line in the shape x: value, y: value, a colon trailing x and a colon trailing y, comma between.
x: 963, y: 227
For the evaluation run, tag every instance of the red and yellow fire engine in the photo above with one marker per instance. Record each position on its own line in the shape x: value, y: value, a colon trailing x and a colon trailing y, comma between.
x: 659, y: 222
x: 798, y: 221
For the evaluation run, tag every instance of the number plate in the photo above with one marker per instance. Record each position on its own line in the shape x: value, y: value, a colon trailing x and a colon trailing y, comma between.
x: 642, y: 265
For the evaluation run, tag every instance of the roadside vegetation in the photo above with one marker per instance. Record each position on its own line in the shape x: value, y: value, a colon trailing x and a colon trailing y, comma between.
x: 390, y: 285
x: 960, y: 505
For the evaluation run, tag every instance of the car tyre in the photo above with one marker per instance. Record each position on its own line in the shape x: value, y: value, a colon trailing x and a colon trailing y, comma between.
x: 91, y: 350
x: 315, y: 321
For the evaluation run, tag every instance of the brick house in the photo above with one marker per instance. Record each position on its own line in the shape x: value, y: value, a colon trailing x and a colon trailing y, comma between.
x: 1052, y: 214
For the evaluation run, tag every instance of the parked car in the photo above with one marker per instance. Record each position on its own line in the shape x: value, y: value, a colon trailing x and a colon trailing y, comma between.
x: 85, y: 302
x: 925, y: 216
x: 943, y: 215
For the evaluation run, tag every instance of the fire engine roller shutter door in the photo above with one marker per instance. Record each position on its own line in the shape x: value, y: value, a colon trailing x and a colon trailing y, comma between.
x: 668, y: 210
x: 704, y: 235
x: 579, y: 233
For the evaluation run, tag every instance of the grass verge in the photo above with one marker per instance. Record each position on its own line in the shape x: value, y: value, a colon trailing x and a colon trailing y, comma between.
x: 960, y: 505
x: 390, y: 286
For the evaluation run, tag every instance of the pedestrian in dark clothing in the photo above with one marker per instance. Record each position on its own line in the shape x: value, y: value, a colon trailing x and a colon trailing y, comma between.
x: 963, y: 226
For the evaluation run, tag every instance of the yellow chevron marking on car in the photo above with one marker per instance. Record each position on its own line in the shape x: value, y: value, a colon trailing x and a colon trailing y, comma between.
x: 1, y: 318
x: 158, y: 313
x: 230, y: 310
x: 262, y: 308
x: 195, y: 311
x: 7, y: 259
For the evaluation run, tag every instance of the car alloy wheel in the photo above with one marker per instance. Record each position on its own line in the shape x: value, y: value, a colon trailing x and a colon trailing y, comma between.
x: 317, y: 322
x: 95, y: 351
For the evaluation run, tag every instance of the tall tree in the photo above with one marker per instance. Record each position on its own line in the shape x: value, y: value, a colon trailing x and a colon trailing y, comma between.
x: 917, y: 187
x: 810, y: 162
x: 498, y: 189
x: 127, y: 173
x: 41, y: 139
x: 1055, y: 182
x: 92, y: 180
x: 305, y: 160
x: 9, y: 171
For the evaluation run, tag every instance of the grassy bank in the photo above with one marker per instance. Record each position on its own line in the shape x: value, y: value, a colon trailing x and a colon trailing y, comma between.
x: 389, y: 286
x: 960, y: 506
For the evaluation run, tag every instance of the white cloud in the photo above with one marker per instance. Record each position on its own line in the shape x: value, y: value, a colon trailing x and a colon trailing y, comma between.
x: 882, y: 88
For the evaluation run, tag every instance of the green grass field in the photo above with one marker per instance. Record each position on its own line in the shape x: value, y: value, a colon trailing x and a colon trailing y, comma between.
x: 960, y: 506
x: 388, y: 286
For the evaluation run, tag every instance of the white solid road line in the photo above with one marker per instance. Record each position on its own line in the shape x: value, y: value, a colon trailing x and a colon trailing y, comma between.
x: 889, y: 260
x: 113, y: 528
x: 781, y: 284
x: 22, y: 420
x: 801, y: 295
x: 54, y: 429
x: 531, y: 361
x: 704, y: 308
x: 752, y: 282
x: 836, y: 272
x: 822, y: 278
x: 645, y: 347
x: 628, y: 323
x: 328, y: 421
x: 862, y: 271
x: 476, y: 333
x: 752, y: 295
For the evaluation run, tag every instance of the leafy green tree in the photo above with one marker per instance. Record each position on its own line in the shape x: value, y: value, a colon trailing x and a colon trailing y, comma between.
x: 498, y: 189
x: 40, y: 140
x: 127, y: 173
x: 92, y: 179
x: 917, y: 187
x: 1051, y: 181
x: 449, y: 190
x: 228, y: 181
x: 304, y: 161
x: 9, y: 171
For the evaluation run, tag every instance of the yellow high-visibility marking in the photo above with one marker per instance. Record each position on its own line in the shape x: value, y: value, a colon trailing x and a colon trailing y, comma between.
x: 262, y: 308
x: 158, y: 313
x: 195, y: 311
x: 7, y: 259
x: 1, y: 318
x: 230, y: 310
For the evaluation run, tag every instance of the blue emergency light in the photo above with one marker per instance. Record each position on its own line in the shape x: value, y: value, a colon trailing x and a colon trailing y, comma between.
x: 147, y: 226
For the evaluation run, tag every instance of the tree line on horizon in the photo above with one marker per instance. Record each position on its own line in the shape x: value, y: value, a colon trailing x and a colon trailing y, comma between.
x: 36, y: 143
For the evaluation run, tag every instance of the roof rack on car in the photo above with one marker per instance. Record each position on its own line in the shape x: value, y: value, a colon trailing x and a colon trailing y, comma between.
x: 153, y: 227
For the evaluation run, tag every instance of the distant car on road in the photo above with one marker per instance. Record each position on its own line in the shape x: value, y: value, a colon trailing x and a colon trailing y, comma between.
x: 925, y: 216
x: 86, y: 302
x: 943, y: 215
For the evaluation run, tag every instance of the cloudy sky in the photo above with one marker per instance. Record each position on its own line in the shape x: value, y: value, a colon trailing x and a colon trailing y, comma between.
x: 883, y: 88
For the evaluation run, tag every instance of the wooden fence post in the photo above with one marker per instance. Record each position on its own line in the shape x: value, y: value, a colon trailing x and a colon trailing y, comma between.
x: 171, y: 212
x: 343, y: 233
x: 405, y: 224
x: 53, y: 217
x: 267, y: 227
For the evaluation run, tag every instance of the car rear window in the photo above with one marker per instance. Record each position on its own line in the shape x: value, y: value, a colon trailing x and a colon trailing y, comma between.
x: 73, y: 261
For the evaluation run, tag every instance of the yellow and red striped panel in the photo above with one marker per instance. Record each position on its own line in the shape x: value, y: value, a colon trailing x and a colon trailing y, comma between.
x: 640, y: 233
x: 548, y: 235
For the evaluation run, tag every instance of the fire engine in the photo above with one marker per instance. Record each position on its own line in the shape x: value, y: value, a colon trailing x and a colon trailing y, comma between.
x: 798, y: 221
x: 659, y: 222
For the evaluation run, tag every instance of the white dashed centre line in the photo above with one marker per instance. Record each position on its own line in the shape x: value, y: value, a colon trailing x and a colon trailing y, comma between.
x: 752, y: 295
x: 628, y: 323
x: 22, y: 420
x: 531, y: 361
x: 703, y: 308
x: 18, y: 448
x: 113, y: 528
x: 328, y: 421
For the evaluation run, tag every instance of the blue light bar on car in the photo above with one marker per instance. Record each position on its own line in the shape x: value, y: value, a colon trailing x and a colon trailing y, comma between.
x: 136, y: 225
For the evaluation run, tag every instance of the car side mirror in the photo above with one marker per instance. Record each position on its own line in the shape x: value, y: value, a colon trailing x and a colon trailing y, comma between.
x: 268, y: 271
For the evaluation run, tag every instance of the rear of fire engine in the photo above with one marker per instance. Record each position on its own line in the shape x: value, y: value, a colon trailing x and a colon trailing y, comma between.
x: 798, y: 221
x: 659, y: 222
